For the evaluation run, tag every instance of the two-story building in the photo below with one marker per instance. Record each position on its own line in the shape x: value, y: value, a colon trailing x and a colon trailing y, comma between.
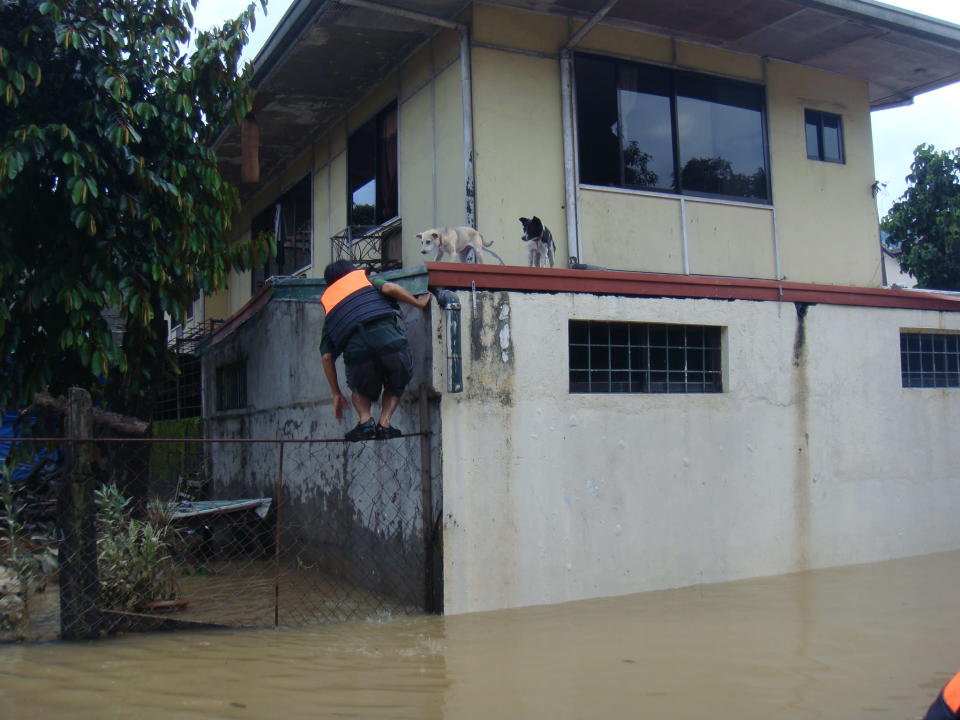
x: 711, y: 383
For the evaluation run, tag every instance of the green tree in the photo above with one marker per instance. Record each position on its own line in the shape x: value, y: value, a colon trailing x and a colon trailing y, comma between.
x: 925, y: 222
x: 110, y: 193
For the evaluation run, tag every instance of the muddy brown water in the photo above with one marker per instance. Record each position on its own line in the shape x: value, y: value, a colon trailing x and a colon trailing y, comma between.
x: 867, y: 641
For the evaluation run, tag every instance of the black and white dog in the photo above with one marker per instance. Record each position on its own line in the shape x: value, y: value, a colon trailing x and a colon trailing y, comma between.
x: 540, y: 239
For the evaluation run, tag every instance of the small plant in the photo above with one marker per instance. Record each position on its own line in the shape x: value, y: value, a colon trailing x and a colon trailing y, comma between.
x: 22, y: 562
x: 133, y: 556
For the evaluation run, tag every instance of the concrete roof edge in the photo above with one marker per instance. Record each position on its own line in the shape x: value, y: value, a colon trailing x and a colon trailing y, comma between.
x: 889, y: 17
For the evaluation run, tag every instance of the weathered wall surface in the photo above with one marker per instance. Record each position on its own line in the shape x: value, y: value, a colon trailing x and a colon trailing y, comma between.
x: 345, y: 503
x: 814, y: 455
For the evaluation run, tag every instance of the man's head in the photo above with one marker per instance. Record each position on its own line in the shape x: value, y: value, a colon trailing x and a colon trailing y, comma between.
x: 336, y: 270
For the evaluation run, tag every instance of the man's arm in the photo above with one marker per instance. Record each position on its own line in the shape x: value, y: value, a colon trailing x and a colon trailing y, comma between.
x: 398, y: 292
x: 330, y: 371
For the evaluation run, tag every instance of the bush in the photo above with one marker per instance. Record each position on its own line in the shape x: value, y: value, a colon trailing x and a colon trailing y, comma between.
x: 133, y: 556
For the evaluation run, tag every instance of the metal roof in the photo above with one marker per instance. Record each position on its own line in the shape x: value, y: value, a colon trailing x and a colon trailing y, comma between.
x: 324, y: 56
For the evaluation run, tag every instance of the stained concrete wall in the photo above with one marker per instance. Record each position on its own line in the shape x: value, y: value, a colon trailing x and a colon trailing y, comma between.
x: 343, y: 503
x: 813, y: 456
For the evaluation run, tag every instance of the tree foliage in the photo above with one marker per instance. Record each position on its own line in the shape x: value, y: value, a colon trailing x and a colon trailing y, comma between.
x: 110, y: 194
x: 925, y: 222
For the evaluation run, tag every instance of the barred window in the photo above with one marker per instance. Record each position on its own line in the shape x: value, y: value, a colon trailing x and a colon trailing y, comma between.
x: 929, y: 360
x: 232, y: 386
x: 624, y: 357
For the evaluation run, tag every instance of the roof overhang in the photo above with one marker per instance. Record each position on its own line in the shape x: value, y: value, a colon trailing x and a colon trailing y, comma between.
x: 324, y: 56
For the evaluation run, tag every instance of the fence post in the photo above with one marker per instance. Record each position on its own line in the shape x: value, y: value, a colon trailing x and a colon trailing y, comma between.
x: 276, y: 537
x: 77, y: 517
x: 426, y: 502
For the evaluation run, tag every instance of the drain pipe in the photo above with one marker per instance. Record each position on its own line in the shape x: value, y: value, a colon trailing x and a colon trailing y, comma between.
x: 570, y: 178
x: 466, y: 83
x: 449, y: 301
x: 466, y: 89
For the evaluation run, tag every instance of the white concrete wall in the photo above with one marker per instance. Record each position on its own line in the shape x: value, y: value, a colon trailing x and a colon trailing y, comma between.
x: 813, y: 456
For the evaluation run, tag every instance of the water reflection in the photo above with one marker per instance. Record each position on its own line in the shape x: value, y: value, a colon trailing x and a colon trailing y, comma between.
x: 865, y: 641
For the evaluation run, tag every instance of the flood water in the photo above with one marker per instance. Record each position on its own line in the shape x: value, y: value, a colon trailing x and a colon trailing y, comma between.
x: 868, y: 641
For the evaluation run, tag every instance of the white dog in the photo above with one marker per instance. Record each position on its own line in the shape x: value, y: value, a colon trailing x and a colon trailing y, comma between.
x: 456, y: 242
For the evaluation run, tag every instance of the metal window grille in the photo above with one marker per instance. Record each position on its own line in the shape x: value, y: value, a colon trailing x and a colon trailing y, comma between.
x: 621, y: 357
x: 232, y: 386
x: 929, y: 360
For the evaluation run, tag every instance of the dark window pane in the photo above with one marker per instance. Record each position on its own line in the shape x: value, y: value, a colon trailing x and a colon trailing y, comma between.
x: 675, y: 335
x: 658, y: 358
x: 721, y: 149
x: 599, y: 142
x: 620, y: 358
x: 599, y: 333
x: 579, y: 357
x: 599, y: 381
x: 579, y: 381
x: 599, y: 357
x: 646, y: 126
x: 832, y: 138
x: 619, y: 334
x: 812, y: 129
x: 658, y: 335
x: 579, y: 331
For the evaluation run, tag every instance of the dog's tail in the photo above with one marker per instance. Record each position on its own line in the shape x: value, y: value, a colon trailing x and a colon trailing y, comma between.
x: 494, y: 254
x: 485, y: 242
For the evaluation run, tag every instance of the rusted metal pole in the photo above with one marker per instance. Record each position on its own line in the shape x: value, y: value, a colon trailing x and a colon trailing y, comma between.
x: 77, y: 517
x: 426, y: 501
x: 276, y: 538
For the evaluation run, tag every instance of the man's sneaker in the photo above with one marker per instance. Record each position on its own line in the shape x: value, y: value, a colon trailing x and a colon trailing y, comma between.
x: 363, y: 431
x: 386, y: 433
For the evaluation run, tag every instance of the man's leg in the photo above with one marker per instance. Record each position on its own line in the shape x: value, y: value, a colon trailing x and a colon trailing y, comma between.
x: 388, y: 405
x: 363, y: 404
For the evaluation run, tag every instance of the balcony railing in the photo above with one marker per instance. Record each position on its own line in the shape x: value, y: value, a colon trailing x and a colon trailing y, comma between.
x: 373, y: 247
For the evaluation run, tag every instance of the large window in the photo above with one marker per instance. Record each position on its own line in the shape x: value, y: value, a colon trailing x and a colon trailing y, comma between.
x: 372, y: 170
x: 289, y: 221
x: 929, y: 360
x: 824, y: 136
x: 655, y: 128
x: 622, y: 357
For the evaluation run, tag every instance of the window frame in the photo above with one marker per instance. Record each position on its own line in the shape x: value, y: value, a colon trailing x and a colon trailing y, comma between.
x: 375, y: 125
x: 644, y: 358
x: 920, y: 350
x: 266, y: 221
x: 815, y: 118
x: 673, y: 77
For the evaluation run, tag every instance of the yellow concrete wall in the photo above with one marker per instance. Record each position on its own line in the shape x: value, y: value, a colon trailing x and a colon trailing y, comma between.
x: 825, y: 211
x: 730, y: 240
x: 216, y: 305
x: 432, y: 189
x: 629, y: 231
x: 519, y: 149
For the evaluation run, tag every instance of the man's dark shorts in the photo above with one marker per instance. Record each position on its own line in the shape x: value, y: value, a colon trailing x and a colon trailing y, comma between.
x: 390, y: 371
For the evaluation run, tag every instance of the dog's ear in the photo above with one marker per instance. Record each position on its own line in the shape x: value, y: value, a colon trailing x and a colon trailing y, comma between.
x: 524, y: 221
x: 419, y: 236
x: 436, y: 235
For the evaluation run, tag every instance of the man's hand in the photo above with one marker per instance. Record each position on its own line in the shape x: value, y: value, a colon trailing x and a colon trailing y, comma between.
x: 339, y: 405
x: 398, y: 292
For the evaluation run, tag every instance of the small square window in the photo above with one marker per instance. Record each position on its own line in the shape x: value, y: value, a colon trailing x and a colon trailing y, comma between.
x: 824, y: 132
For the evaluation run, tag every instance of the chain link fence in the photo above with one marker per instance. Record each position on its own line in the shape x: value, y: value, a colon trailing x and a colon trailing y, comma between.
x: 164, y: 533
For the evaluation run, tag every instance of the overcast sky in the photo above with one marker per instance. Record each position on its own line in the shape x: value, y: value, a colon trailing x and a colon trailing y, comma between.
x: 934, y: 117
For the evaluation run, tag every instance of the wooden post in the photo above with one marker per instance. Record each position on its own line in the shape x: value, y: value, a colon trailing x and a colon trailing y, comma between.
x: 79, y: 582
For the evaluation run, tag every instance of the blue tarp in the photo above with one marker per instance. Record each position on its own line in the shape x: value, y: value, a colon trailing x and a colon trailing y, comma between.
x: 11, y: 427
